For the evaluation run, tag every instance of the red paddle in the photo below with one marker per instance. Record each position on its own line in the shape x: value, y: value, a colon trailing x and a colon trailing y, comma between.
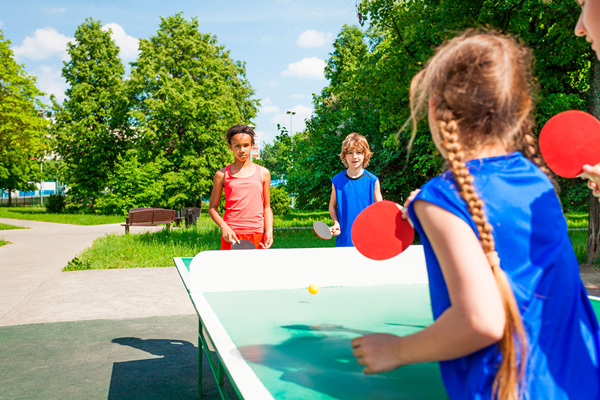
x: 569, y: 140
x: 243, y: 245
x: 379, y: 232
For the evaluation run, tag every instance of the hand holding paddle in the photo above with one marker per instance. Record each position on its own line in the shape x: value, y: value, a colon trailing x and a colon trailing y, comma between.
x: 379, y: 232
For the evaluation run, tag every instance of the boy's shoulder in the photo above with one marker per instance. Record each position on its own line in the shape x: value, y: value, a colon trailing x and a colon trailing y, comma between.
x: 370, y: 175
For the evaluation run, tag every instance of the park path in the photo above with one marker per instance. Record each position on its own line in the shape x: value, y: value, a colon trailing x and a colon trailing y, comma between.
x: 33, y: 289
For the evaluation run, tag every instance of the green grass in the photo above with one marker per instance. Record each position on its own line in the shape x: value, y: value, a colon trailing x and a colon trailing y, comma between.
x: 3, y: 242
x: 40, y: 214
x: 157, y: 249
x: 4, y: 227
x: 577, y: 224
x: 577, y: 220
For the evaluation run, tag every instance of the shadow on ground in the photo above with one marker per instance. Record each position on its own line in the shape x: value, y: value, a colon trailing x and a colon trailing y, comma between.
x: 170, y: 374
x: 141, y: 358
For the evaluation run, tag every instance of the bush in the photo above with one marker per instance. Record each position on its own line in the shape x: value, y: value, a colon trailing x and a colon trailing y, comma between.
x: 280, y: 200
x: 56, y: 203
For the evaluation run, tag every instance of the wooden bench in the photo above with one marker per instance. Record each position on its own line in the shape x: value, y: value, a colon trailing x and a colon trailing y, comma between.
x: 149, y: 217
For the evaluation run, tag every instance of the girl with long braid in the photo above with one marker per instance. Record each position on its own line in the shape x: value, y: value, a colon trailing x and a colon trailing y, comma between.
x: 512, y: 317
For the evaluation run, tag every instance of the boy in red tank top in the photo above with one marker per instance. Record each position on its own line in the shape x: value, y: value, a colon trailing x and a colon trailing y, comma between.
x: 247, y: 185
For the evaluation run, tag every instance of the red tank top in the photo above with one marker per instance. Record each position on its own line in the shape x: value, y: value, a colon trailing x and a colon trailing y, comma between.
x: 244, y: 202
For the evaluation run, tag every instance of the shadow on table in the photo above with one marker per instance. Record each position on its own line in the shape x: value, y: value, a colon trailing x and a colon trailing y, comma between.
x: 320, y: 358
x: 171, y: 374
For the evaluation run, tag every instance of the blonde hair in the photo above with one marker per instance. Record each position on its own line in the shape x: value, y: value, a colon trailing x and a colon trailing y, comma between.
x: 354, y: 141
x: 480, y: 86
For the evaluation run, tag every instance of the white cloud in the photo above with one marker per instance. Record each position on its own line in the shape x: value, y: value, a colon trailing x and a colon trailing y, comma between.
x: 57, y: 10
x: 128, y: 45
x: 297, y: 120
x: 50, y: 81
x: 1, y: 24
x: 313, y: 38
x: 45, y: 43
x: 268, y: 107
x: 297, y: 96
x: 306, y: 68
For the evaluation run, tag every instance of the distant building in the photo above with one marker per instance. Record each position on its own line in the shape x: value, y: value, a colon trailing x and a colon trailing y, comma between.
x: 255, y: 152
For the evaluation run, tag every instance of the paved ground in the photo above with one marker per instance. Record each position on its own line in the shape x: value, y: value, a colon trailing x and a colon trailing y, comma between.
x: 101, y: 334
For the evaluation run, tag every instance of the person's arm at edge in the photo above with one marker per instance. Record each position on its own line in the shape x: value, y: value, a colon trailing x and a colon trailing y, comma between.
x: 213, y: 207
x: 592, y: 173
x: 476, y: 317
x: 268, y: 212
x: 335, y: 229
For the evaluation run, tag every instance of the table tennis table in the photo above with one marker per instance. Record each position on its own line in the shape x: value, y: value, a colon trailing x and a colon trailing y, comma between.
x: 274, y: 340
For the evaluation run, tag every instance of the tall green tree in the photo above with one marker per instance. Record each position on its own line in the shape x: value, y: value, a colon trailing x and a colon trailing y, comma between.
x: 185, y: 92
x: 90, y: 133
x: 277, y: 157
x: 22, y: 129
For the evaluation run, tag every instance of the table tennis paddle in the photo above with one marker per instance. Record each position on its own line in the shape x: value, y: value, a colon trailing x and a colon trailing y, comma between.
x: 379, y: 232
x: 243, y: 245
x: 569, y: 140
x: 322, y: 230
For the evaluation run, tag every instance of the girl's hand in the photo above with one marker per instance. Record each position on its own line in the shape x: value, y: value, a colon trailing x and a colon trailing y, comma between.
x: 268, y: 240
x: 335, y: 229
x: 229, y: 235
x: 377, y: 352
x: 593, y: 176
x: 410, y: 198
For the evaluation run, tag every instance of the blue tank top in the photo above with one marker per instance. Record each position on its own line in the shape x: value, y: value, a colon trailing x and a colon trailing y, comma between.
x: 535, y: 252
x: 353, y: 195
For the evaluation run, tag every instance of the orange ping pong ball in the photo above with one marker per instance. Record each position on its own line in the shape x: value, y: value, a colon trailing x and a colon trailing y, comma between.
x: 313, y: 289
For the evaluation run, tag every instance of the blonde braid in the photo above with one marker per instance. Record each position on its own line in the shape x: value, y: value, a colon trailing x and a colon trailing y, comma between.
x: 513, y: 345
x: 532, y: 152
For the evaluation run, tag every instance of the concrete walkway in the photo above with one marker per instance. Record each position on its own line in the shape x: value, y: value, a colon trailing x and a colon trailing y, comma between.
x: 34, y: 290
x: 99, y: 334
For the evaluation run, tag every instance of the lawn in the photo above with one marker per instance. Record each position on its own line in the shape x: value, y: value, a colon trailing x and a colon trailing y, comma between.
x: 4, y: 227
x: 40, y: 214
x: 157, y: 249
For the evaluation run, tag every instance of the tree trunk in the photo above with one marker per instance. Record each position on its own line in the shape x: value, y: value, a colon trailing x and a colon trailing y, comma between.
x: 9, y: 198
x: 594, y: 208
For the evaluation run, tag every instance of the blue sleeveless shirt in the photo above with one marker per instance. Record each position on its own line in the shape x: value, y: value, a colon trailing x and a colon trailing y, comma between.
x: 537, y: 256
x: 352, y: 195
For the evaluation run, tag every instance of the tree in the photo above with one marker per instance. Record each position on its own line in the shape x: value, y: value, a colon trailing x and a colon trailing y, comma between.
x: 277, y: 157
x: 22, y: 129
x: 89, y: 133
x: 594, y: 206
x: 185, y: 92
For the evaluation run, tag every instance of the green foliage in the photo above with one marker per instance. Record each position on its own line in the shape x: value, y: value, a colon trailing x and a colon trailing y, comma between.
x: 280, y: 200
x: 56, y: 203
x: 277, y: 157
x: 370, y: 73
x: 132, y: 185
x: 22, y: 130
x: 90, y: 132
x: 185, y: 91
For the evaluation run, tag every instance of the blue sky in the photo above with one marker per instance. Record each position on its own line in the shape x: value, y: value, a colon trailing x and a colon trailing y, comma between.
x: 284, y: 43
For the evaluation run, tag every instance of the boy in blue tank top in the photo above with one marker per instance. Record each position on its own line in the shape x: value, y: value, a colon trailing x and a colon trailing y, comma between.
x: 352, y: 190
